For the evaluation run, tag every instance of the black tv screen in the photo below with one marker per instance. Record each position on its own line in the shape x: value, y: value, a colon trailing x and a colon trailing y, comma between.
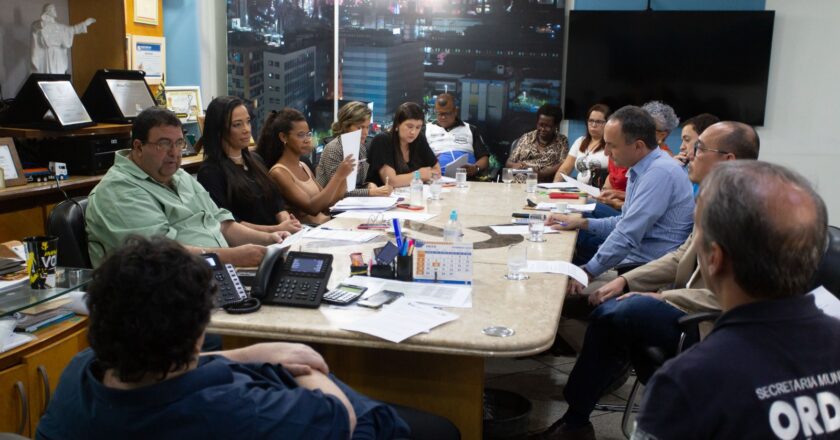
x: 698, y: 62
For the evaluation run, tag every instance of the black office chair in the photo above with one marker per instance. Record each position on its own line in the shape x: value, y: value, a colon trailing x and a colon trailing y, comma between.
x: 67, y: 222
x: 828, y: 274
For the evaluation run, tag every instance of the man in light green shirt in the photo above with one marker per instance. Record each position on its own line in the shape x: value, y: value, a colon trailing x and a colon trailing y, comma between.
x: 147, y: 193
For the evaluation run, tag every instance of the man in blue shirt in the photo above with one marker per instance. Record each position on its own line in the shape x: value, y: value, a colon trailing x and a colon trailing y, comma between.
x: 622, y: 327
x: 149, y: 303
x: 770, y: 368
x: 657, y: 213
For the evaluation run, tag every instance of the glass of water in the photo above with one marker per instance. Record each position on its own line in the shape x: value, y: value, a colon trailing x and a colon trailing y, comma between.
x: 531, y: 182
x: 461, y: 177
x: 536, y: 227
x: 517, y: 261
x: 435, y: 186
x: 507, y: 176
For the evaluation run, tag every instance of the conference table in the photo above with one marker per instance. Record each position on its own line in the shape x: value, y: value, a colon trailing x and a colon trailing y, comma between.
x: 441, y: 371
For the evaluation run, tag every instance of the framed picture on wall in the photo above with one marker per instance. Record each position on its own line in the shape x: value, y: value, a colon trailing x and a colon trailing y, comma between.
x: 10, y: 163
x: 185, y: 101
x: 146, y: 12
x: 149, y: 55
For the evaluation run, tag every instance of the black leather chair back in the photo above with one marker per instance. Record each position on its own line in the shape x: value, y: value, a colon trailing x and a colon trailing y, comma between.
x: 67, y: 222
x: 828, y: 274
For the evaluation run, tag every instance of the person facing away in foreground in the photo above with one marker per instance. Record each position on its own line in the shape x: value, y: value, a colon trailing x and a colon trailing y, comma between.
x: 143, y: 377
x: 770, y: 368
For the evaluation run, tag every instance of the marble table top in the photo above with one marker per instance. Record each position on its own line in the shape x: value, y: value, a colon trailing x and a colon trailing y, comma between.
x: 531, y: 308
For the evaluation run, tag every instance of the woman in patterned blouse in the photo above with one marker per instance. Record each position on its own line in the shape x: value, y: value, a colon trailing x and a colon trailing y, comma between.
x: 544, y: 149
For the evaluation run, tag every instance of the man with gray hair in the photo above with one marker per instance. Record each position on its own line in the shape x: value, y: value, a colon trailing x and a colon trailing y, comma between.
x: 769, y: 368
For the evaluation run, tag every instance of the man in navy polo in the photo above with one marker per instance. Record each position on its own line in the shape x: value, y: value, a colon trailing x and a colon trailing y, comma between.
x: 770, y: 368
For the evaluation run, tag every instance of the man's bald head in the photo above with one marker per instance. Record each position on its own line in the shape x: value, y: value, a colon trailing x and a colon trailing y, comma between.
x: 769, y: 222
x: 447, y: 111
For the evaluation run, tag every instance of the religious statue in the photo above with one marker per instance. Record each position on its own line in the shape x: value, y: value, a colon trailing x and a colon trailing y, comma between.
x: 50, y: 41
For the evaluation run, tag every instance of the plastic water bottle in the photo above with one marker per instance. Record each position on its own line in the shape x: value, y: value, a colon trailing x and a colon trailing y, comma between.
x: 416, y: 190
x: 452, y: 230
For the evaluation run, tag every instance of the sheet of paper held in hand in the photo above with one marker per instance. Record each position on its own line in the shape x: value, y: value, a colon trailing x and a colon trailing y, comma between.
x: 589, y: 189
x: 443, y: 295
x: 401, y: 320
x: 561, y: 267
x: 452, y: 167
x: 350, y: 143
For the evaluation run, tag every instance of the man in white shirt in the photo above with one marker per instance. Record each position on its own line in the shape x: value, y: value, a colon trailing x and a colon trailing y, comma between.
x: 451, y: 138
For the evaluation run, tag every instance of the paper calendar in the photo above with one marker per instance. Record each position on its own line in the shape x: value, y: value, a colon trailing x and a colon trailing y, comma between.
x: 443, y: 262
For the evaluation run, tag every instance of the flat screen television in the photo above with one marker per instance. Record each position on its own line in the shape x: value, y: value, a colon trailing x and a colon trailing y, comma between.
x: 695, y: 61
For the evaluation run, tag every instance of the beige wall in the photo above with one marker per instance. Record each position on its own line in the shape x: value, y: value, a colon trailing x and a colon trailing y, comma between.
x: 802, y: 125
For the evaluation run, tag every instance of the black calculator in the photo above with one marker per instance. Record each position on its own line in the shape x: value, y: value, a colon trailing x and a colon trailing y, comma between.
x: 344, y: 294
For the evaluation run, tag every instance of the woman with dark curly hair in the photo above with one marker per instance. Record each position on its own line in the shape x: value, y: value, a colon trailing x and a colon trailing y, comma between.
x: 235, y: 177
x: 150, y: 302
x: 284, y: 138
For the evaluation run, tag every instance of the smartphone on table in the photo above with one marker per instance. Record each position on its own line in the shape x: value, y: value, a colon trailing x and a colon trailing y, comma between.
x: 378, y: 300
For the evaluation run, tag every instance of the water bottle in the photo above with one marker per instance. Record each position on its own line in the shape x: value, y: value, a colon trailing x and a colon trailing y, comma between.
x: 452, y: 230
x: 416, y: 198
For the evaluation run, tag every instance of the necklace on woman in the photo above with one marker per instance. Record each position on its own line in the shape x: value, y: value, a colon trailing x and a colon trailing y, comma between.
x: 238, y: 160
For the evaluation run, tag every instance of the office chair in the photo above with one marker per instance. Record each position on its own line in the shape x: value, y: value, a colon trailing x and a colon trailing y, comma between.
x: 67, y: 222
x: 828, y: 273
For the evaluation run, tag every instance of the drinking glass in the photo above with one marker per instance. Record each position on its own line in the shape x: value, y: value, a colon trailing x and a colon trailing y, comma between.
x: 461, y: 177
x: 531, y: 182
x: 536, y: 227
x: 517, y: 261
x: 435, y: 186
x: 507, y: 176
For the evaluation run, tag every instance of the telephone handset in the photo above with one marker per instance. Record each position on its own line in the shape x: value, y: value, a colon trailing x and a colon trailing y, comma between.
x: 230, y: 294
x: 299, y: 280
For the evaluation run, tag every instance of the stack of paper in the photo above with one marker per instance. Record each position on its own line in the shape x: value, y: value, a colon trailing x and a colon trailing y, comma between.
x: 441, y: 295
x: 589, y: 207
x: 401, y: 320
x: 388, y: 215
x: 557, y: 185
x: 341, y: 235
x: 365, y: 203
x: 519, y: 230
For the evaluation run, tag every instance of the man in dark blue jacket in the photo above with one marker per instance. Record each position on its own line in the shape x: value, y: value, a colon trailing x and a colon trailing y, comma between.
x: 770, y: 368
x: 150, y: 302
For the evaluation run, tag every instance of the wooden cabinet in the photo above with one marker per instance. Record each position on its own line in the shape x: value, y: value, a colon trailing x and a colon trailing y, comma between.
x: 29, y: 374
x: 44, y: 368
x: 14, y: 401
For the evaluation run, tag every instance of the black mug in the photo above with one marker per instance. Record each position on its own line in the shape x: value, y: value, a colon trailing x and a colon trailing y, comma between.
x: 41, y: 261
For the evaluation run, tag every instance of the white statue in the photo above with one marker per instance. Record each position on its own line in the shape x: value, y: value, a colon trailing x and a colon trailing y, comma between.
x: 50, y: 41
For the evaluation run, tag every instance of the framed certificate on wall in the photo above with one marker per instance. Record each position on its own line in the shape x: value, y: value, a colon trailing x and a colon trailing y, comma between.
x: 146, y: 12
x: 10, y: 163
x: 149, y: 55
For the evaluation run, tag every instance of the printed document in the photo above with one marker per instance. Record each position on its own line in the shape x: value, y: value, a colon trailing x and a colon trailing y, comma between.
x: 401, y: 320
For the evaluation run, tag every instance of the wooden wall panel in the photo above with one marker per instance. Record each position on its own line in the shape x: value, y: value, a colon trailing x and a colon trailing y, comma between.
x: 103, y: 47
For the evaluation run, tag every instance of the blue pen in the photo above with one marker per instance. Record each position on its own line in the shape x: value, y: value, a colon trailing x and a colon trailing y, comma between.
x: 397, y: 233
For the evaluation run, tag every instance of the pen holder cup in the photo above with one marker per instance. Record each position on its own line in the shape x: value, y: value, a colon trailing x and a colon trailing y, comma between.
x: 405, y: 267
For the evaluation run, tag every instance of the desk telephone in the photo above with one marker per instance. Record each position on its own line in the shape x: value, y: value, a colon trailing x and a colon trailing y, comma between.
x: 299, y: 280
